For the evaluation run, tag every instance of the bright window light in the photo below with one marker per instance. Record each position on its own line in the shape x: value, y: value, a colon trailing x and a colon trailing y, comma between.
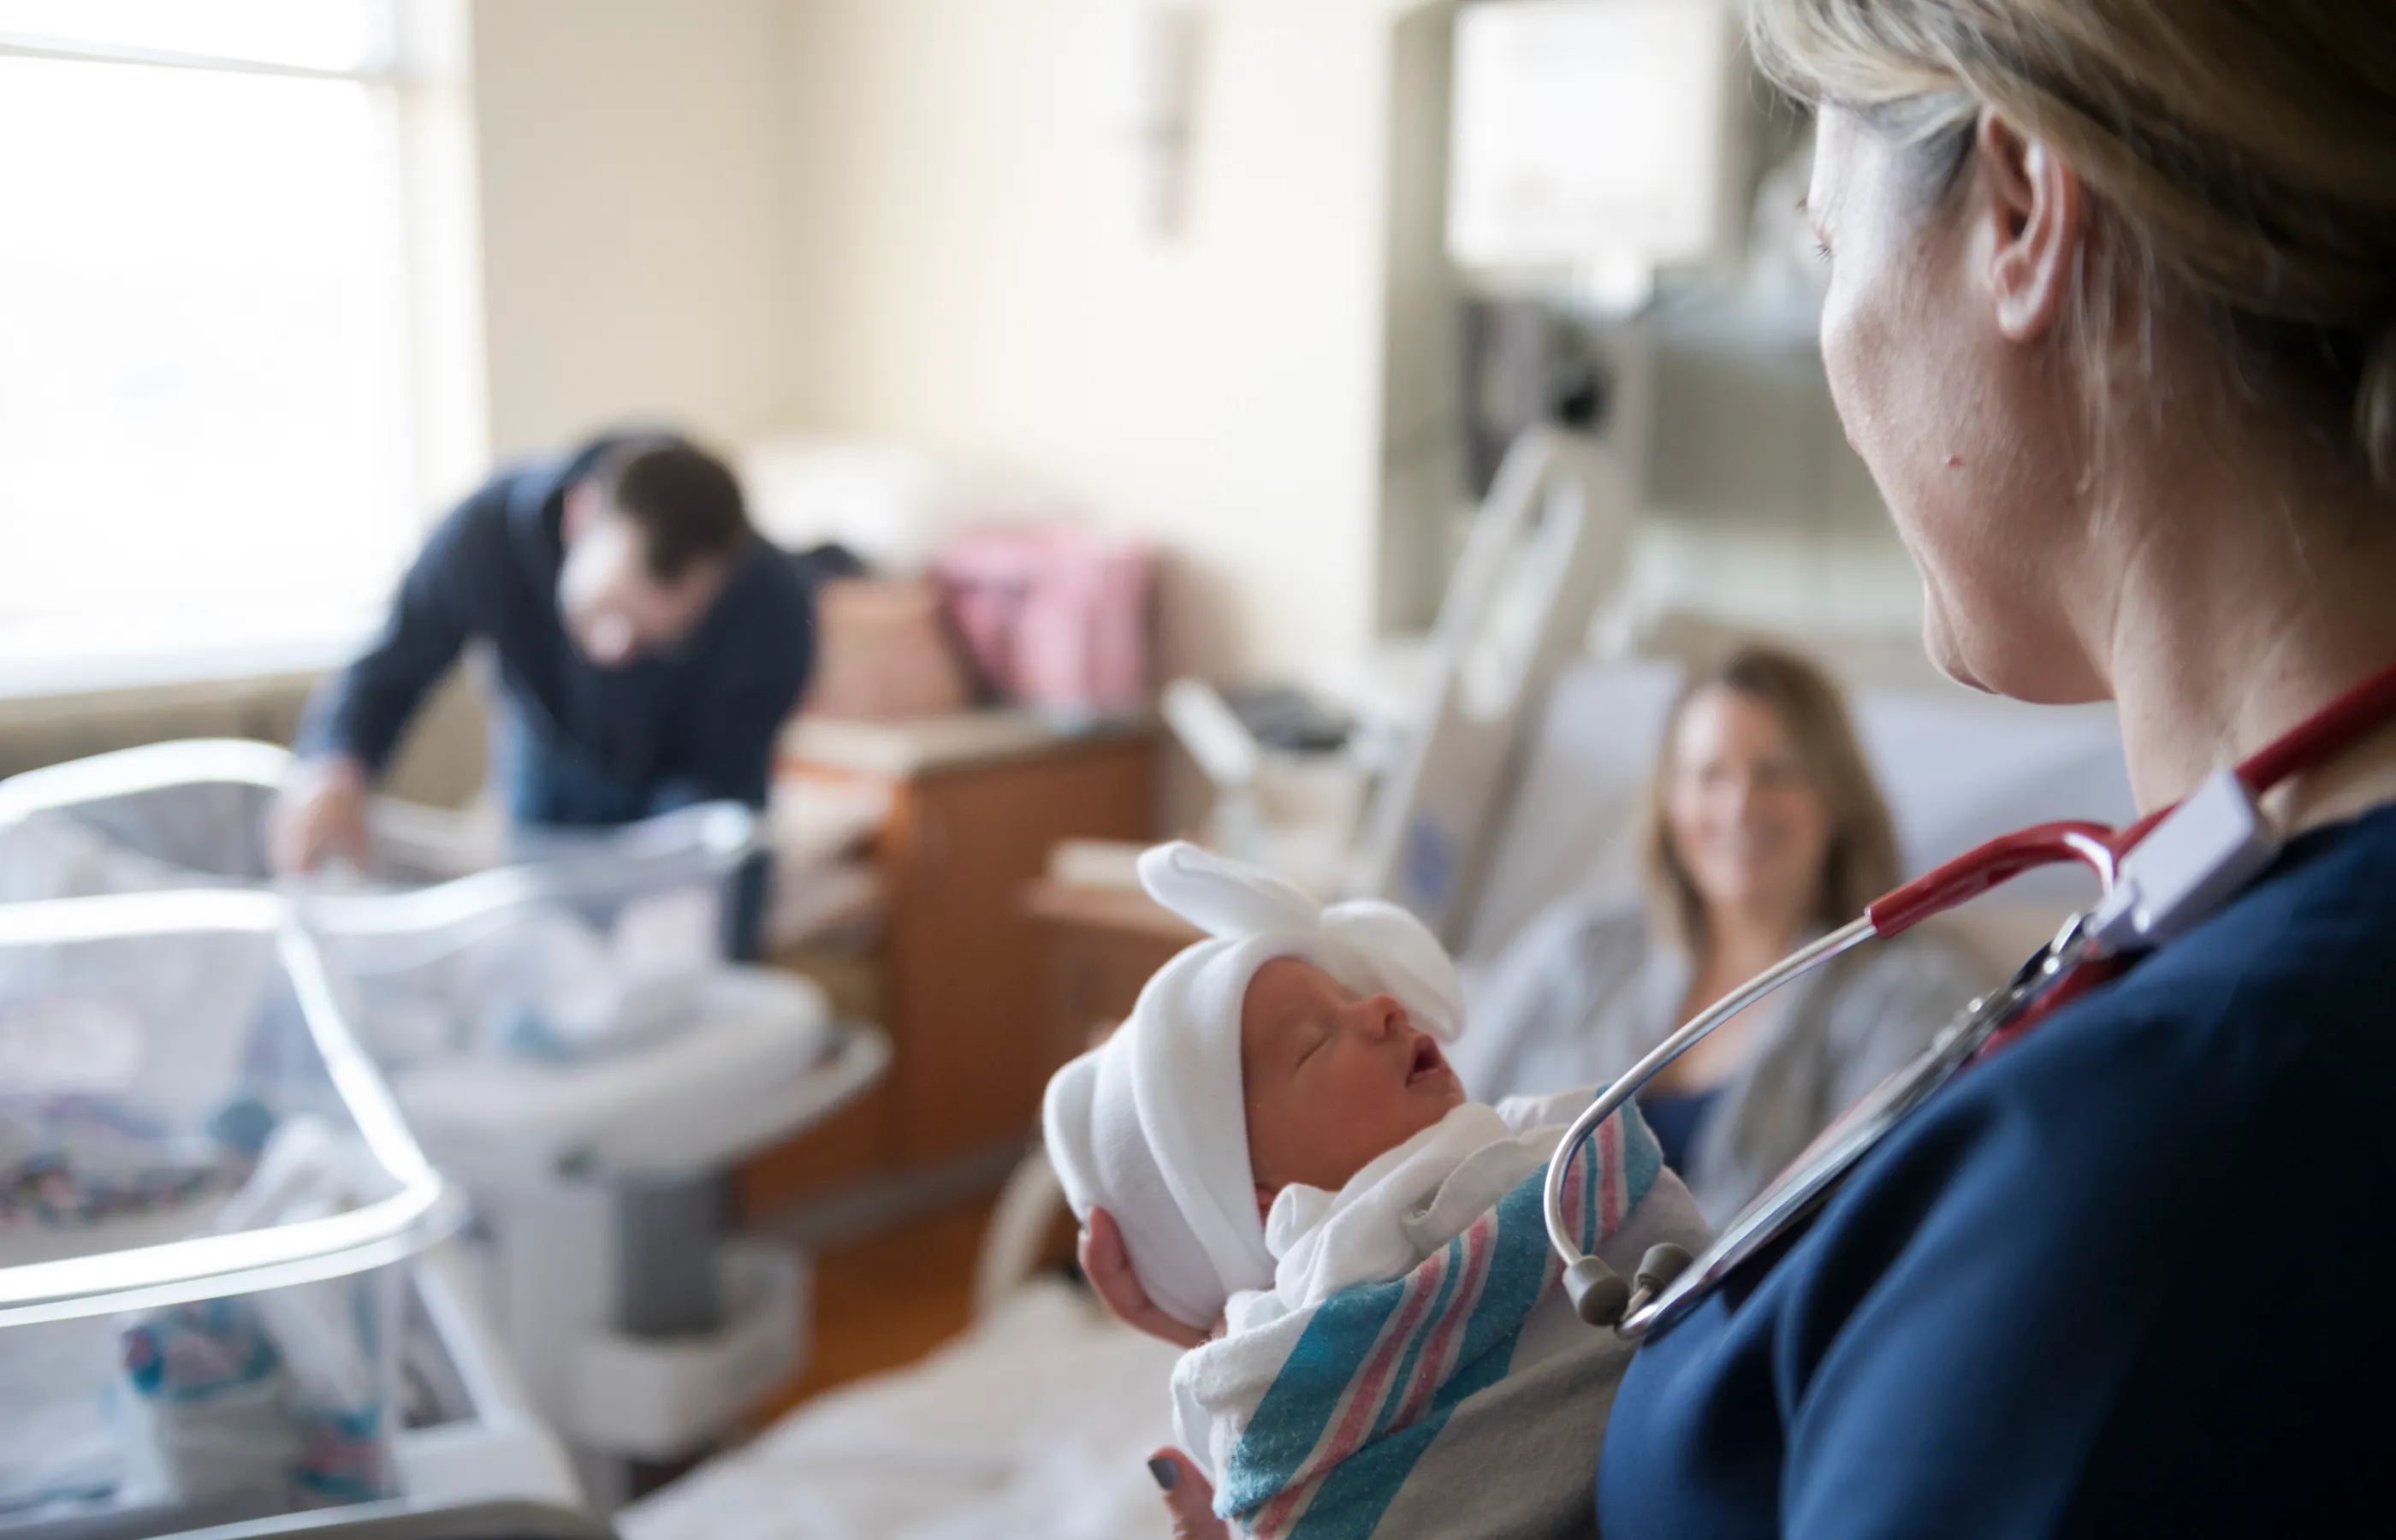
x: 206, y: 357
x: 341, y: 35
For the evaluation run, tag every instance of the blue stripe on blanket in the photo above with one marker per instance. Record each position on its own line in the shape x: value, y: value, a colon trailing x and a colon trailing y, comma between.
x: 1290, y: 1419
x: 1297, y: 1411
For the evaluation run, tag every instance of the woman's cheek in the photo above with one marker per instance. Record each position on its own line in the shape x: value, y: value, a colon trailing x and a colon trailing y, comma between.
x: 1855, y: 365
x: 1838, y: 361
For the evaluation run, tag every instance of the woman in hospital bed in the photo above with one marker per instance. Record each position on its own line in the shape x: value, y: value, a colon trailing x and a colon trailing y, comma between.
x: 1765, y: 828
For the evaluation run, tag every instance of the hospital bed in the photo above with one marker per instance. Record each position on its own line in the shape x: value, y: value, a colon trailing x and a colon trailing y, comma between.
x: 635, y: 1326
x: 1036, y: 1420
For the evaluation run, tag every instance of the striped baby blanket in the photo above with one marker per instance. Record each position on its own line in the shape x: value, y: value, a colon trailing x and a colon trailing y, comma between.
x: 1326, y: 1398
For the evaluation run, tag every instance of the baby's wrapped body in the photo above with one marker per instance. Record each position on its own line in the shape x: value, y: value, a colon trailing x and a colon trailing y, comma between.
x: 1417, y: 1370
x: 1285, y: 1148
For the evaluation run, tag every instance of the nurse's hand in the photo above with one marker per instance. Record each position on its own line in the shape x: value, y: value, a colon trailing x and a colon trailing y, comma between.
x: 1187, y: 1497
x: 1108, y: 1267
x: 320, y: 816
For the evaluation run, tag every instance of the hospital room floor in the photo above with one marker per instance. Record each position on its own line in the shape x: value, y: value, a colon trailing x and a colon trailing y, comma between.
x: 887, y: 1298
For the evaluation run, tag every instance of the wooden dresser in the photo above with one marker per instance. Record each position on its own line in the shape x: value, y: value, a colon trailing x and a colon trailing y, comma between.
x: 975, y: 804
x: 1102, y: 946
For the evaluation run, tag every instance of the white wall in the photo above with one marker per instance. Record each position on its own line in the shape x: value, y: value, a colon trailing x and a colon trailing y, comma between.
x: 629, y: 164
x: 906, y: 220
x: 965, y: 274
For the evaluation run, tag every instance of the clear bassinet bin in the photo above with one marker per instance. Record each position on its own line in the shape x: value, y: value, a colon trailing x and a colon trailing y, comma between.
x: 558, y: 1025
x: 193, y: 812
x: 208, y: 1200
x: 542, y: 942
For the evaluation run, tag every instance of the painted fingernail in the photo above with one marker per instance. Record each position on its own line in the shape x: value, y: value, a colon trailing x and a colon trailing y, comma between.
x: 1166, y: 1472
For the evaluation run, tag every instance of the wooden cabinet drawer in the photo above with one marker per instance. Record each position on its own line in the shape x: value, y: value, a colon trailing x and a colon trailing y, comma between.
x: 965, y: 981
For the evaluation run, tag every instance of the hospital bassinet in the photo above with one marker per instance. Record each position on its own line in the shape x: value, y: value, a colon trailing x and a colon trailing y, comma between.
x: 194, y: 813
x: 559, y: 1028
x: 556, y: 996
x: 222, y: 1291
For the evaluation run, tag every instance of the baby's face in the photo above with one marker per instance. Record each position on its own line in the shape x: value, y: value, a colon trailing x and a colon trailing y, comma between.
x: 1331, y: 1080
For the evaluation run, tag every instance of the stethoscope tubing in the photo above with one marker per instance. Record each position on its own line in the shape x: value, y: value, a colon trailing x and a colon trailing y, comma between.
x: 2044, y: 982
x: 1798, y: 964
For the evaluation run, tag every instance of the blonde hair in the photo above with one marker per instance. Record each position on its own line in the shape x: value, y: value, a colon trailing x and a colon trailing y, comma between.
x: 2240, y: 153
x: 1858, y: 865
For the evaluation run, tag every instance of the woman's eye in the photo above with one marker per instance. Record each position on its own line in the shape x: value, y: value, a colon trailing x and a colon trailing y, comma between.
x: 1821, y: 254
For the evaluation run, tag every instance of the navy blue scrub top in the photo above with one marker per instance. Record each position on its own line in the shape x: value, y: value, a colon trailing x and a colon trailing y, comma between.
x: 2134, y: 1275
x: 1675, y: 1119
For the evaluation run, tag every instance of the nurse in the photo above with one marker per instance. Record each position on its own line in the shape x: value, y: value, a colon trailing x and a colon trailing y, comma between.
x: 2112, y: 320
x: 648, y: 647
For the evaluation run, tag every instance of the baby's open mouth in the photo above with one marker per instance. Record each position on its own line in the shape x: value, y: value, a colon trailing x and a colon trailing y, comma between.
x: 1427, y: 1061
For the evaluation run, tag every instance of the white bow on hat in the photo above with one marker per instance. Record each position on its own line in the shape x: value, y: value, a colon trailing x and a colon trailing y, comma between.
x: 1150, y: 1125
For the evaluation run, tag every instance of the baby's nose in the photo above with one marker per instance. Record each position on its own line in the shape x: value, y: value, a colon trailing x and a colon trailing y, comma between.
x: 1380, y: 1015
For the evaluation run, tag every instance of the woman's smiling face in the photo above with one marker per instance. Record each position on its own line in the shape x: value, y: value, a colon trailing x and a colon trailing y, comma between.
x: 1745, y: 819
x: 1331, y: 1080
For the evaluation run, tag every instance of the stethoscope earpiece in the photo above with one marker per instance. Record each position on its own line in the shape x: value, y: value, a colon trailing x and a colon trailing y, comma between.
x: 1597, y: 1291
x: 1601, y: 1298
x: 1663, y: 1263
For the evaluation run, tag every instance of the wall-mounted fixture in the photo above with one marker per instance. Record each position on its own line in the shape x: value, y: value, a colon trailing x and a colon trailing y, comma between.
x: 1154, y: 54
x: 1594, y: 143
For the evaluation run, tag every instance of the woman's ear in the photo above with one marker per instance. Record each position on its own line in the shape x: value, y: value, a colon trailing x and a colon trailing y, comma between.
x: 2034, y: 208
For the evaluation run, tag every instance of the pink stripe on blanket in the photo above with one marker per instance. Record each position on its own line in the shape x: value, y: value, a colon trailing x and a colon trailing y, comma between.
x: 1576, y: 1177
x: 1364, y: 1400
x: 1612, y: 1196
x: 1576, y: 1180
x: 1432, y: 1366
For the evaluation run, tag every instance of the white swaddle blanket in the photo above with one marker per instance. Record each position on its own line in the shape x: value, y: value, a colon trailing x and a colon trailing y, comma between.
x: 1149, y: 1125
x: 1382, y: 1384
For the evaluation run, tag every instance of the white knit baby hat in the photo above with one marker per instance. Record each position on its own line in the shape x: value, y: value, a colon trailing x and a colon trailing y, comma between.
x: 1148, y: 1126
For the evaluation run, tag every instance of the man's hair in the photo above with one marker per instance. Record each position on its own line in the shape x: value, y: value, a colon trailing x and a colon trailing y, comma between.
x: 686, y: 501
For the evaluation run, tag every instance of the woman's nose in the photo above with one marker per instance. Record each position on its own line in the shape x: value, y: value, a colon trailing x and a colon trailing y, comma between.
x: 1745, y: 802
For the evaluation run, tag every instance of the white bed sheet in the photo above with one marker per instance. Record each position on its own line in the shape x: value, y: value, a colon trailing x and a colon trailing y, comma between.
x: 1036, y: 1422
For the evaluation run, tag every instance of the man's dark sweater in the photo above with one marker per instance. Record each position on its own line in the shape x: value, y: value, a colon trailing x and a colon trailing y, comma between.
x: 580, y: 744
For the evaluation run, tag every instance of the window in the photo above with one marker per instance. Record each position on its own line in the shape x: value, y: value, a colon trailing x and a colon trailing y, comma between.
x: 216, y: 430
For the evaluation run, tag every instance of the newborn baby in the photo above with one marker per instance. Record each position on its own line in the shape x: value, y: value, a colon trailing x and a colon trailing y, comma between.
x: 1286, y: 1151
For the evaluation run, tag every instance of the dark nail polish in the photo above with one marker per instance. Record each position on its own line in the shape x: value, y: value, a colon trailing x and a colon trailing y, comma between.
x: 1166, y: 1472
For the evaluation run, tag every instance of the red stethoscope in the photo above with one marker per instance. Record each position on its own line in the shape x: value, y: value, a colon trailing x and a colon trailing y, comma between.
x: 2157, y: 879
